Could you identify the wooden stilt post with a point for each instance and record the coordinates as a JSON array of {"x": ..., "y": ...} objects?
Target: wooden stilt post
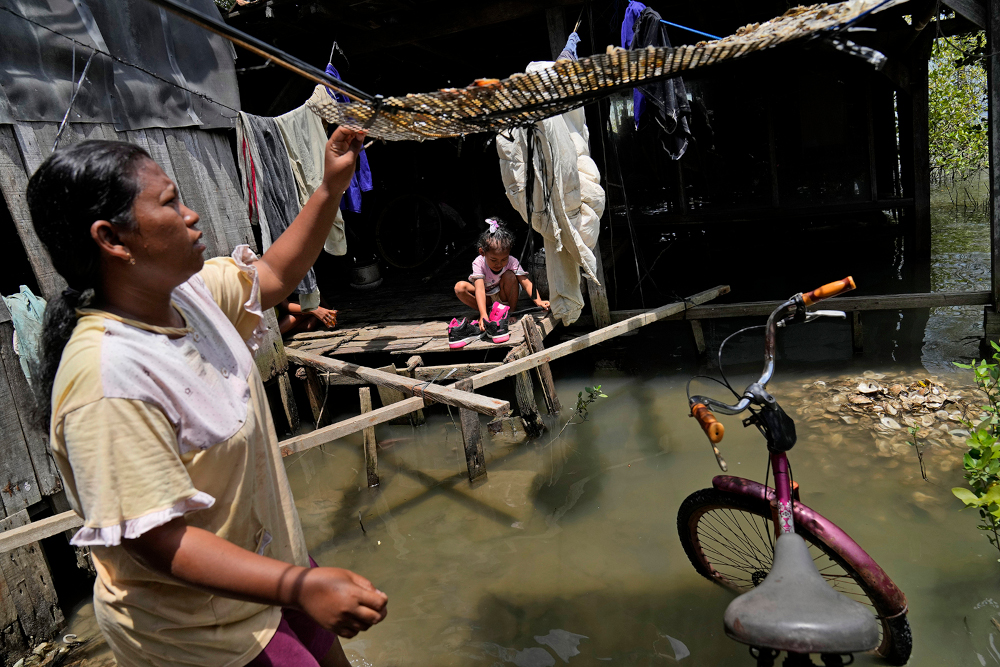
[
  {"x": 390, "y": 396},
  {"x": 857, "y": 332},
  {"x": 371, "y": 444},
  {"x": 993, "y": 105},
  {"x": 599, "y": 295},
  {"x": 533, "y": 337},
  {"x": 699, "y": 337},
  {"x": 288, "y": 401},
  {"x": 316, "y": 391},
  {"x": 920, "y": 96},
  {"x": 524, "y": 390},
  {"x": 472, "y": 436}
]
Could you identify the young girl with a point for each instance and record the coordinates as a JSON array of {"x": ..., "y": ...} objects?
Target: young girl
[
  {"x": 160, "y": 426},
  {"x": 496, "y": 275}
]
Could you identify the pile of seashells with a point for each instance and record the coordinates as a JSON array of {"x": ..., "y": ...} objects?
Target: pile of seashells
[{"x": 890, "y": 404}]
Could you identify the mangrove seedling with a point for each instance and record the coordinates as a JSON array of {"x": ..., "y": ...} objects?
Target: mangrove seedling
[
  {"x": 583, "y": 400},
  {"x": 982, "y": 461},
  {"x": 919, "y": 447}
]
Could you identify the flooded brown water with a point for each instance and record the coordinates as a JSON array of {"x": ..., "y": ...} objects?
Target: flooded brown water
[{"x": 568, "y": 553}]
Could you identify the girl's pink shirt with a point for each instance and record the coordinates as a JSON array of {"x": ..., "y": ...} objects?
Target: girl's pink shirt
[{"x": 481, "y": 270}]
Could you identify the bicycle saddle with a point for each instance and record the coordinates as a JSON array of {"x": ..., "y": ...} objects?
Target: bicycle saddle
[{"x": 796, "y": 610}]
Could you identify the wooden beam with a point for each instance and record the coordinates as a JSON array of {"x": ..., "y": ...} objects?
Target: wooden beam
[
  {"x": 321, "y": 436},
  {"x": 973, "y": 10},
  {"x": 599, "y": 294},
  {"x": 699, "y": 336},
  {"x": 993, "y": 106},
  {"x": 594, "y": 337},
  {"x": 524, "y": 391},
  {"x": 371, "y": 444},
  {"x": 389, "y": 396},
  {"x": 38, "y": 530},
  {"x": 316, "y": 393},
  {"x": 409, "y": 386},
  {"x": 288, "y": 402},
  {"x": 845, "y": 303},
  {"x": 462, "y": 371},
  {"x": 472, "y": 436}
]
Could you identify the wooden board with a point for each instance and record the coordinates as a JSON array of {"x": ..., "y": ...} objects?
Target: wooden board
[
  {"x": 30, "y": 585},
  {"x": 594, "y": 337},
  {"x": 301, "y": 443},
  {"x": 38, "y": 530},
  {"x": 409, "y": 386},
  {"x": 36, "y": 441},
  {"x": 18, "y": 485},
  {"x": 371, "y": 445}
]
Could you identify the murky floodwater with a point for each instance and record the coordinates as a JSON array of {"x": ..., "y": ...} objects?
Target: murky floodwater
[{"x": 568, "y": 552}]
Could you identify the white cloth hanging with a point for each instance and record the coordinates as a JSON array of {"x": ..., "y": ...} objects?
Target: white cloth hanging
[{"x": 569, "y": 221}]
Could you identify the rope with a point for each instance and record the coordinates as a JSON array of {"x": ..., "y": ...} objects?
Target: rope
[
  {"x": 72, "y": 100},
  {"x": 697, "y": 32}
]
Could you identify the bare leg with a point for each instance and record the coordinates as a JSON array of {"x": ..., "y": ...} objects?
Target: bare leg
[
  {"x": 335, "y": 657},
  {"x": 509, "y": 290},
  {"x": 466, "y": 293}
]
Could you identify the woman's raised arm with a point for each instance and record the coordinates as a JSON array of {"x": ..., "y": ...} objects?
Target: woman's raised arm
[{"x": 291, "y": 255}]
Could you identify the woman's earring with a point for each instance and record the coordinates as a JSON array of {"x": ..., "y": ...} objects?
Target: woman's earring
[{"x": 131, "y": 259}]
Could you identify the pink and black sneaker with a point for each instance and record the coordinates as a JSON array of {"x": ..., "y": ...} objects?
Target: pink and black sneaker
[
  {"x": 496, "y": 327},
  {"x": 462, "y": 332}
]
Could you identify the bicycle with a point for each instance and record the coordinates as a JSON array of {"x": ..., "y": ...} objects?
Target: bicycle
[{"x": 804, "y": 584}]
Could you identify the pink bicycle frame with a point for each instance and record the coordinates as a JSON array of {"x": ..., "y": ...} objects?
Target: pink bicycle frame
[{"x": 872, "y": 576}]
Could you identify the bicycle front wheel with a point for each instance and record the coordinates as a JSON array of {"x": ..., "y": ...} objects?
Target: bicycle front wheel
[{"x": 729, "y": 538}]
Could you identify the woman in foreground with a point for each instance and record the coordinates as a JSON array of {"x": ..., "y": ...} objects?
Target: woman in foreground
[{"x": 160, "y": 426}]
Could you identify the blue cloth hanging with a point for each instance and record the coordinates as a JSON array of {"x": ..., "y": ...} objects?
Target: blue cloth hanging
[
  {"x": 362, "y": 179},
  {"x": 628, "y": 34},
  {"x": 569, "y": 51}
]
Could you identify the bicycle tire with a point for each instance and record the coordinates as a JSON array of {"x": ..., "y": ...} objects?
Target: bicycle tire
[
  {"x": 408, "y": 242},
  {"x": 895, "y": 642}
]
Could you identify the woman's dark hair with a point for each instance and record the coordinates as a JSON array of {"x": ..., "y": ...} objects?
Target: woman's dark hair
[
  {"x": 496, "y": 237},
  {"x": 74, "y": 187}
]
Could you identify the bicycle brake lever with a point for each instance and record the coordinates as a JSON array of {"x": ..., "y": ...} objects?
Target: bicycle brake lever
[
  {"x": 814, "y": 315},
  {"x": 718, "y": 457}
]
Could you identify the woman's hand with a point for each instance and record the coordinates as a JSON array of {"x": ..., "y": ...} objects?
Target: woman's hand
[
  {"x": 541, "y": 303},
  {"x": 340, "y": 156},
  {"x": 342, "y": 601}
]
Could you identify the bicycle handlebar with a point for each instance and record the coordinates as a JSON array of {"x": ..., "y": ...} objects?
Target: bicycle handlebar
[{"x": 794, "y": 310}]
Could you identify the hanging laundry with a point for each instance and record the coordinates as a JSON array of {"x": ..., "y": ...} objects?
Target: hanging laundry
[
  {"x": 26, "y": 313},
  {"x": 362, "y": 179},
  {"x": 569, "y": 51},
  {"x": 632, "y": 13},
  {"x": 670, "y": 108},
  {"x": 305, "y": 137},
  {"x": 567, "y": 199},
  {"x": 270, "y": 189}
]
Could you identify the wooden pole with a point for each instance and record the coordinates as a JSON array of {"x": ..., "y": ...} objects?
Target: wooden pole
[
  {"x": 920, "y": 96},
  {"x": 699, "y": 336},
  {"x": 599, "y": 294},
  {"x": 320, "y": 436},
  {"x": 472, "y": 436},
  {"x": 524, "y": 390},
  {"x": 594, "y": 337},
  {"x": 533, "y": 337},
  {"x": 371, "y": 444},
  {"x": 390, "y": 396},
  {"x": 409, "y": 386},
  {"x": 288, "y": 402},
  {"x": 993, "y": 102},
  {"x": 316, "y": 391}
]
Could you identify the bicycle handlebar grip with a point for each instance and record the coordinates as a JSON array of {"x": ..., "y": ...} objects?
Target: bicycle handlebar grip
[
  {"x": 828, "y": 290},
  {"x": 712, "y": 427}
]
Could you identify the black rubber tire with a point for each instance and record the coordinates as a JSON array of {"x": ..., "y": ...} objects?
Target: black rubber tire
[{"x": 897, "y": 642}]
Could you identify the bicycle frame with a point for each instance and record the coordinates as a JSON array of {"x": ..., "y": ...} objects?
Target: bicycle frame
[{"x": 842, "y": 544}]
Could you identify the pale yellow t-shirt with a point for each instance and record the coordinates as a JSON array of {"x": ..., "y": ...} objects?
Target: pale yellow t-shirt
[{"x": 146, "y": 428}]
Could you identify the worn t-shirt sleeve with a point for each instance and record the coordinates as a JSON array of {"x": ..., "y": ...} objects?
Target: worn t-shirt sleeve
[
  {"x": 235, "y": 287},
  {"x": 127, "y": 474},
  {"x": 515, "y": 266},
  {"x": 478, "y": 270}
]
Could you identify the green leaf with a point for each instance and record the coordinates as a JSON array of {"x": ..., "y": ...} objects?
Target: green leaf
[{"x": 966, "y": 496}]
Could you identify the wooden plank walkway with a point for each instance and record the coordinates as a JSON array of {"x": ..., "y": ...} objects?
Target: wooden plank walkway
[{"x": 417, "y": 337}]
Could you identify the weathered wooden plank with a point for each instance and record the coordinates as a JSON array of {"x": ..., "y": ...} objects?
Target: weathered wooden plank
[
  {"x": 288, "y": 401},
  {"x": 18, "y": 485},
  {"x": 38, "y": 530},
  {"x": 316, "y": 393},
  {"x": 699, "y": 336},
  {"x": 524, "y": 391},
  {"x": 30, "y": 584},
  {"x": 594, "y": 337},
  {"x": 301, "y": 443},
  {"x": 46, "y": 473},
  {"x": 388, "y": 396},
  {"x": 13, "y": 183},
  {"x": 472, "y": 436},
  {"x": 371, "y": 444},
  {"x": 533, "y": 337},
  {"x": 845, "y": 303},
  {"x": 410, "y": 386},
  {"x": 462, "y": 371},
  {"x": 192, "y": 180},
  {"x": 599, "y": 294}
]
